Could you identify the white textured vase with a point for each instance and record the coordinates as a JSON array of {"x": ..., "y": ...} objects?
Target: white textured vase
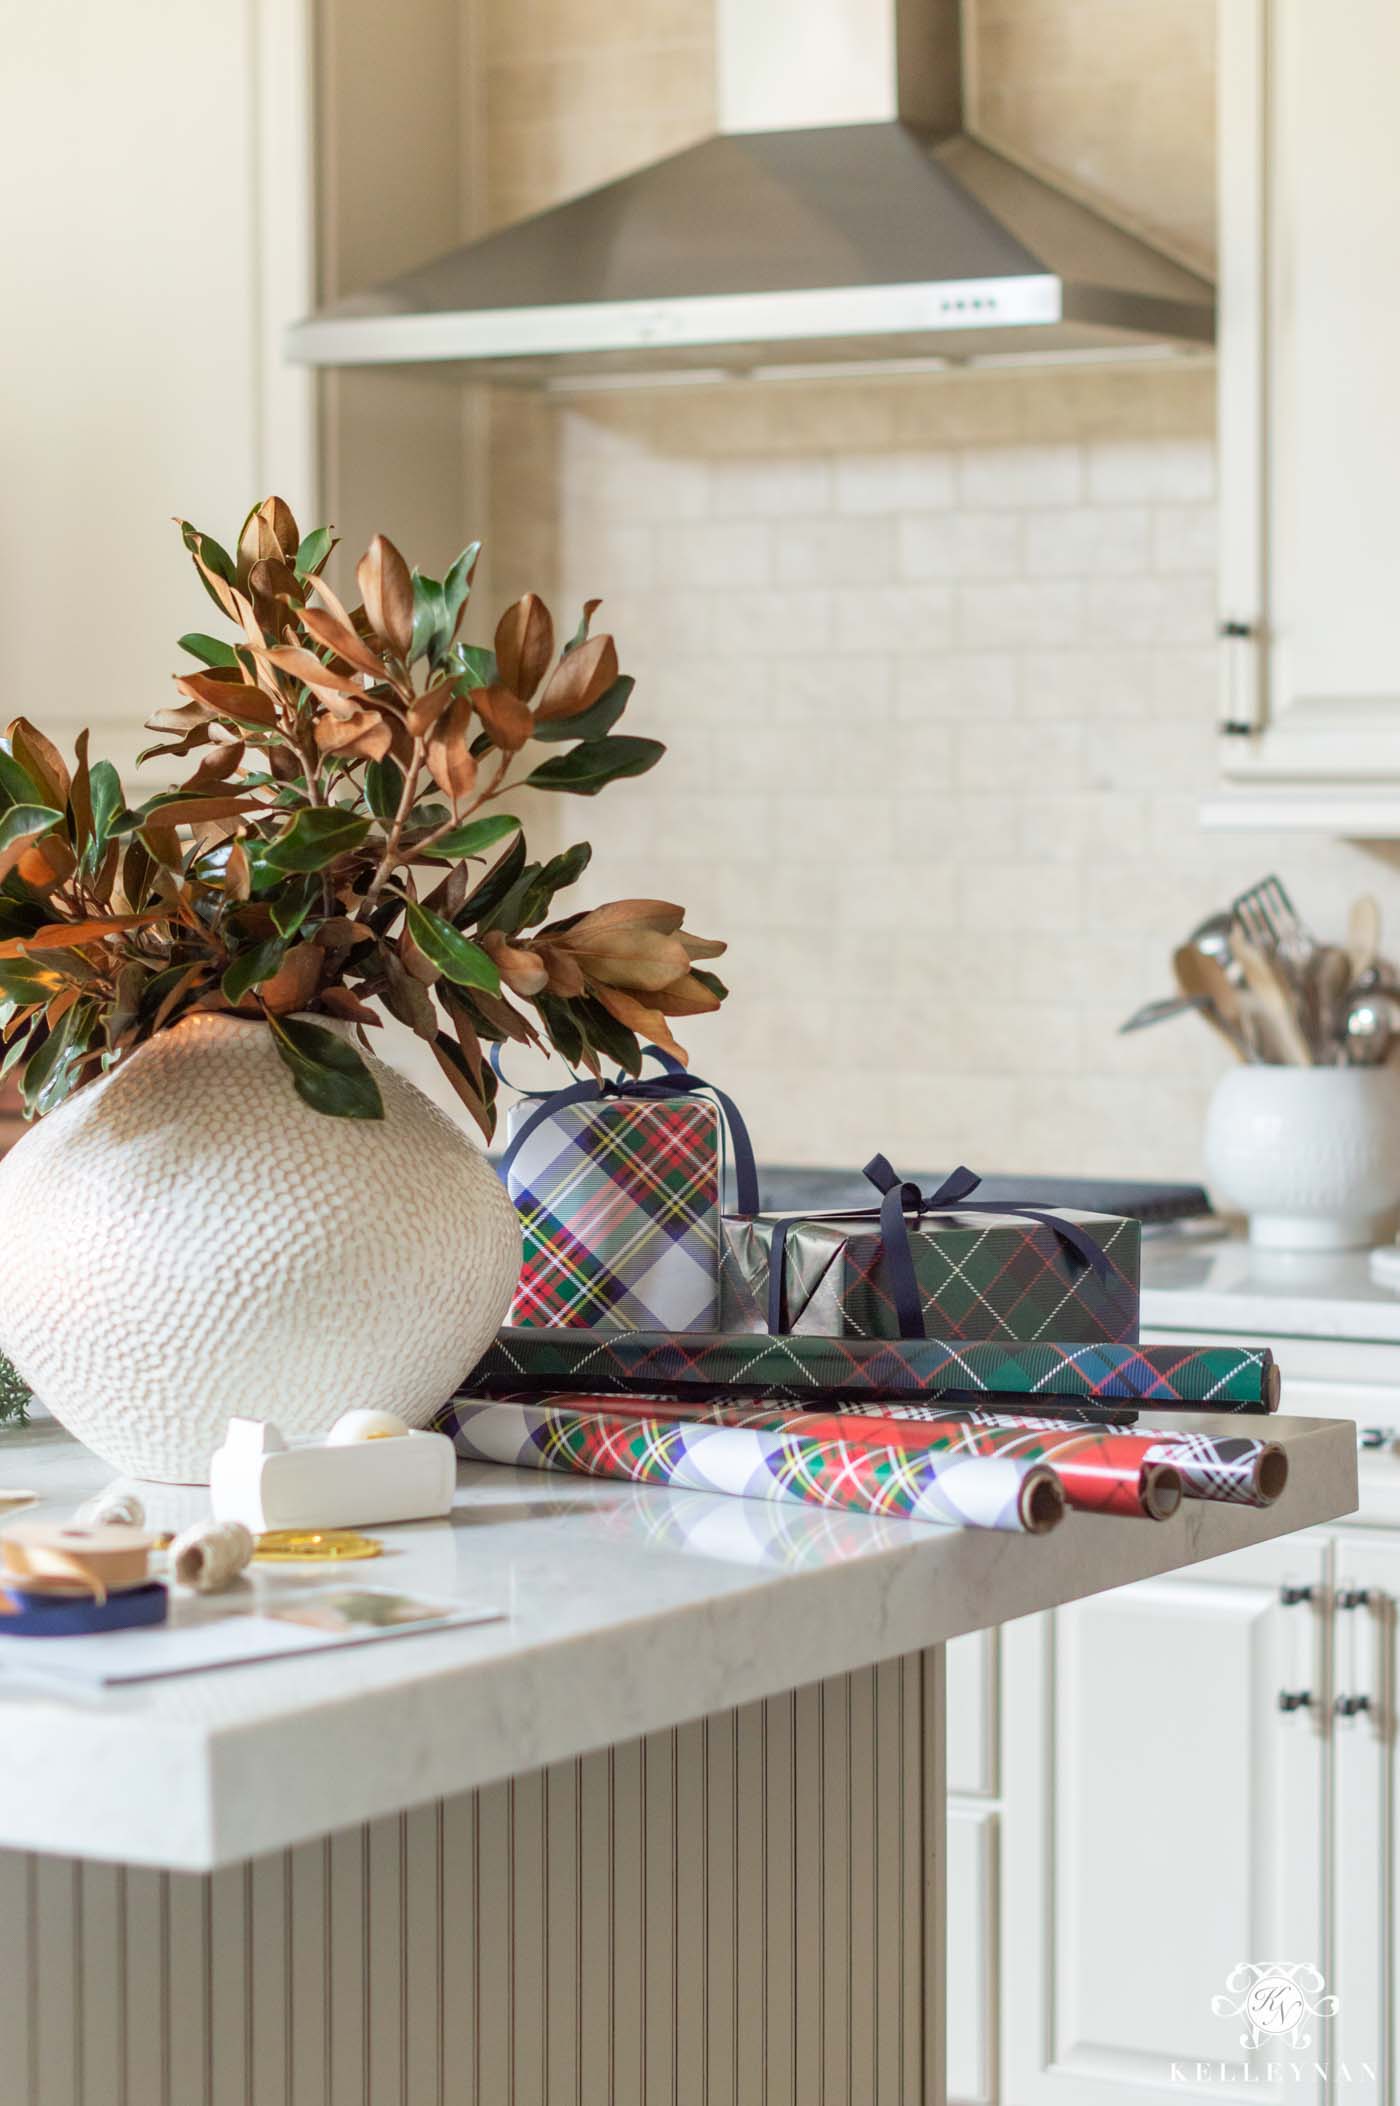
[
  {"x": 1311, "y": 1155},
  {"x": 185, "y": 1240}
]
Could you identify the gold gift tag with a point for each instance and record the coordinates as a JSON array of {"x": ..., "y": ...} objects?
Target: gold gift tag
[{"x": 312, "y": 1546}]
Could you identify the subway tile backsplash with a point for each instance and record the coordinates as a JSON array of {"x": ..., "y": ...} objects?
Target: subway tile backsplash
[{"x": 934, "y": 660}]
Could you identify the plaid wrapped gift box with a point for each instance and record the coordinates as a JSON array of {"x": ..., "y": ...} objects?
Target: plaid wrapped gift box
[
  {"x": 986, "y": 1273},
  {"x": 618, "y": 1188}
]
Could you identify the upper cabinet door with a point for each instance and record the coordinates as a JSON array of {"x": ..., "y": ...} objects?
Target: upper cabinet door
[{"x": 1309, "y": 405}]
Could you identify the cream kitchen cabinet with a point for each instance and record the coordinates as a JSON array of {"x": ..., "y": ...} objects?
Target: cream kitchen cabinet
[
  {"x": 1088, "y": 1781},
  {"x": 1309, "y": 426}
]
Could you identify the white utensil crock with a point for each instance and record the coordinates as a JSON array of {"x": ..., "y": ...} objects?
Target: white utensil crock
[{"x": 1311, "y": 1155}]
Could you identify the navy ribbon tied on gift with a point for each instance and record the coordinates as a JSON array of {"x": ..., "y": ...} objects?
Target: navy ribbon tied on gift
[
  {"x": 675, "y": 1082},
  {"x": 901, "y": 1198}
]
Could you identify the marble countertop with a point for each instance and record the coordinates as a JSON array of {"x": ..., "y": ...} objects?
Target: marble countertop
[
  {"x": 628, "y": 1609},
  {"x": 1211, "y": 1282}
]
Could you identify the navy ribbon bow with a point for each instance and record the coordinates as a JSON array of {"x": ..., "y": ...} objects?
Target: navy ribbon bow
[
  {"x": 675, "y": 1082},
  {"x": 900, "y": 1198}
]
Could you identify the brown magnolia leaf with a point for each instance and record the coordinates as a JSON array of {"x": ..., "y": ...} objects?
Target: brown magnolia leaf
[
  {"x": 176, "y": 997},
  {"x": 295, "y": 981},
  {"x": 481, "y": 1111},
  {"x": 40, "y": 759},
  {"x": 80, "y": 794},
  {"x": 186, "y": 716},
  {"x": 701, "y": 946},
  {"x": 407, "y": 998},
  {"x": 256, "y": 544},
  {"x": 189, "y": 811},
  {"x": 424, "y": 712},
  {"x": 11, "y": 856},
  {"x": 340, "y": 1002},
  {"x": 580, "y": 678},
  {"x": 524, "y": 645},
  {"x": 687, "y": 997},
  {"x": 626, "y": 957},
  {"x": 60, "y": 1005},
  {"x": 506, "y": 1019},
  {"x": 306, "y": 666},
  {"x": 466, "y": 1032},
  {"x": 523, "y": 971},
  {"x": 649, "y": 1024},
  {"x": 234, "y": 697},
  {"x": 363, "y": 734},
  {"x": 338, "y": 636},
  {"x": 216, "y": 767},
  {"x": 450, "y": 761},
  {"x": 386, "y": 586},
  {"x": 285, "y": 532},
  {"x": 565, "y": 974},
  {"x": 416, "y": 962},
  {"x": 71, "y": 935},
  {"x": 504, "y": 717},
  {"x": 238, "y": 876},
  {"x": 48, "y": 863},
  {"x": 273, "y": 585},
  {"x": 659, "y": 914}
]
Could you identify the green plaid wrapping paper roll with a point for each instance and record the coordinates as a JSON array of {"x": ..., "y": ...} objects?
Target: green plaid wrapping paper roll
[
  {"x": 983, "y": 1277},
  {"x": 806, "y": 1370}
]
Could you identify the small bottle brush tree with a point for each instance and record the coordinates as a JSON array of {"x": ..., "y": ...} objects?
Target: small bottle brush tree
[{"x": 339, "y": 847}]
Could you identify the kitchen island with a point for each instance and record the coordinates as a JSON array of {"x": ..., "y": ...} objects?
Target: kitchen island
[{"x": 671, "y": 1828}]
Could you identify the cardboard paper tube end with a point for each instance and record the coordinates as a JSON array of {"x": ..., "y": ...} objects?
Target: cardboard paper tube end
[
  {"x": 1042, "y": 1504},
  {"x": 1161, "y": 1490},
  {"x": 1273, "y": 1385},
  {"x": 1272, "y": 1474}
]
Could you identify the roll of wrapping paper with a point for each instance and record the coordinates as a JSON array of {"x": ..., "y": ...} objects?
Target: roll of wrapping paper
[
  {"x": 1102, "y": 1471},
  {"x": 1231, "y": 1467},
  {"x": 972, "y": 1491},
  {"x": 801, "y": 1370}
]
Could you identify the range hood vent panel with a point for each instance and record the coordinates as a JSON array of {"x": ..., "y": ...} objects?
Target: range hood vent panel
[{"x": 849, "y": 240}]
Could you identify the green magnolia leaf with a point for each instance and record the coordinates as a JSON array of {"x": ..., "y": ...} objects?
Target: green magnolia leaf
[
  {"x": 49, "y": 1075},
  {"x": 109, "y": 813},
  {"x": 478, "y": 665},
  {"x": 607, "y": 1036},
  {"x": 589, "y": 768},
  {"x": 327, "y": 1072},
  {"x": 292, "y": 905},
  {"x": 454, "y": 954},
  {"x": 566, "y": 869},
  {"x": 710, "y": 980},
  {"x": 19, "y": 917},
  {"x": 457, "y": 585},
  {"x": 479, "y": 905},
  {"x": 430, "y": 627},
  {"x": 24, "y": 820},
  {"x": 314, "y": 839},
  {"x": 17, "y": 786},
  {"x": 252, "y": 968},
  {"x": 208, "y": 649},
  {"x": 564, "y": 1033},
  {"x": 510, "y": 911},
  {"x": 383, "y": 789},
  {"x": 23, "y": 980},
  {"x": 472, "y": 839},
  {"x": 592, "y": 723},
  {"x": 313, "y": 551}
]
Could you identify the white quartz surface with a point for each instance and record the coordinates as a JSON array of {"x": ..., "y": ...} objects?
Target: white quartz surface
[
  {"x": 629, "y": 1609},
  {"x": 1196, "y": 1283}
]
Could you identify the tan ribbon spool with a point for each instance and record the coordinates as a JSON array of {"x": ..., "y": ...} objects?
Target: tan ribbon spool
[{"x": 67, "y": 1558}]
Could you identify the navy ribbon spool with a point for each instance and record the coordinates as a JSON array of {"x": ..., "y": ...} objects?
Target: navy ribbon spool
[
  {"x": 899, "y": 1199},
  {"x": 675, "y": 1082}
]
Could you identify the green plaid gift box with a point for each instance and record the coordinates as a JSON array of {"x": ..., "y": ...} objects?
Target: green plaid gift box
[
  {"x": 618, "y": 1188},
  {"x": 989, "y": 1273}
]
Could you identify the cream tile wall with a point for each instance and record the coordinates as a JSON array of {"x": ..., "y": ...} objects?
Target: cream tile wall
[{"x": 933, "y": 657}]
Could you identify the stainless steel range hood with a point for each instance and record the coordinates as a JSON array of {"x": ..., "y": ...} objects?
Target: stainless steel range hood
[{"x": 841, "y": 214}]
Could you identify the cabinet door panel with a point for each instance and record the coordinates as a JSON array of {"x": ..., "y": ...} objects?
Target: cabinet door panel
[
  {"x": 972, "y": 1956},
  {"x": 1310, "y": 205},
  {"x": 1163, "y": 1821},
  {"x": 972, "y": 1714},
  {"x": 1362, "y": 2035}
]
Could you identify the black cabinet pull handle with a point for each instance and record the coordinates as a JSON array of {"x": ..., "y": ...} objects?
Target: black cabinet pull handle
[
  {"x": 1348, "y": 1706},
  {"x": 1295, "y": 1699},
  {"x": 1354, "y": 1598},
  {"x": 1291, "y": 1597}
]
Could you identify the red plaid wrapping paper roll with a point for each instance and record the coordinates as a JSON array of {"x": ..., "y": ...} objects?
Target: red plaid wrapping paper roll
[
  {"x": 1102, "y": 1471},
  {"x": 585, "y": 1436}
]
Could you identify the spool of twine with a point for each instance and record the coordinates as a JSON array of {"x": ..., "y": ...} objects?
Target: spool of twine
[
  {"x": 70, "y": 1558},
  {"x": 210, "y": 1556}
]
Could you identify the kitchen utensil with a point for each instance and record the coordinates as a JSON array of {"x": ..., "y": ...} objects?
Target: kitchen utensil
[
  {"x": 1363, "y": 934},
  {"x": 1203, "y": 979},
  {"x": 1269, "y": 919},
  {"x": 1161, "y": 1011},
  {"x": 1326, "y": 983},
  {"x": 1274, "y": 999},
  {"x": 1212, "y": 936},
  {"x": 1370, "y": 1030}
]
